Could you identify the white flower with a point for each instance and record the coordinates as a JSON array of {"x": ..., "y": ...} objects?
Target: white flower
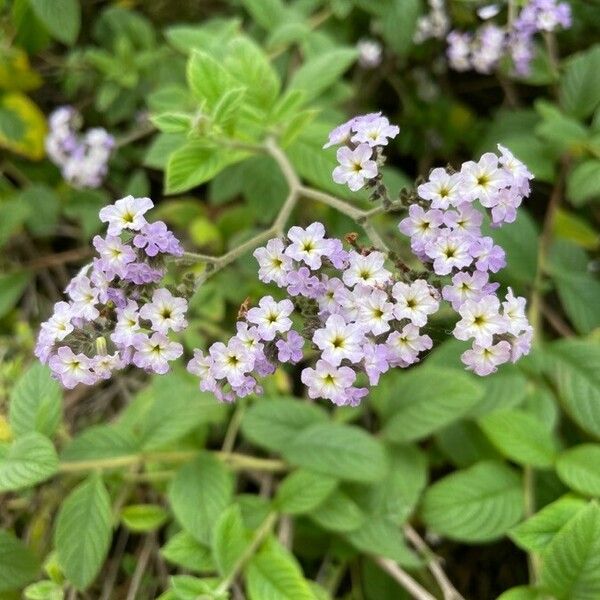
[
  {"x": 58, "y": 326},
  {"x": 339, "y": 340},
  {"x": 375, "y": 132},
  {"x": 442, "y": 189},
  {"x": 414, "y": 301},
  {"x": 127, "y": 213},
  {"x": 482, "y": 179},
  {"x": 165, "y": 311},
  {"x": 375, "y": 312},
  {"x": 271, "y": 317},
  {"x": 404, "y": 347},
  {"x": 514, "y": 313},
  {"x": 366, "y": 269},
  {"x": 355, "y": 166},
  {"x": 274, "y": 264},
  {"x": 481, "y": 319}
]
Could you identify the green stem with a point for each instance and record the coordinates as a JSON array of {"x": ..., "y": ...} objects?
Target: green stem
[
  {"x": 265, "y": 528},
  {"x": 233, "y": 460}
]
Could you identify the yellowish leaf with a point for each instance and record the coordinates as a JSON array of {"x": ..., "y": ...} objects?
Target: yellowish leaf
[{"x": 22, "y": 126}]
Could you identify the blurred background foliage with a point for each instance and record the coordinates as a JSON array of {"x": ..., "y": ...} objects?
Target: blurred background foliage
[{"x": 106, "y": 492}]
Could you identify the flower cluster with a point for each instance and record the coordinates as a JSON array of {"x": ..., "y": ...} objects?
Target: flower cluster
[
  {"x": 82, "y": 158},
  {"x": 483, "y": 49},
  {"x": 369, "y": 53},
  {"x": 357, "y": 315},
  {"x": 117, "y": 313},
  {"x": 434, "y": 24},
  {"x": 361, "y": 140},
  {"x": 444, "y": 227}
]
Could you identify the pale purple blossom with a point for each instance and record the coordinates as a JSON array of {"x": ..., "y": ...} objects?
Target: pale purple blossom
[
  {"x": 484, "y": 360},
  {"x": 156, "y": 238},
  {"x": 339, "y": 340},
  {"x": 308, "y": 245},
  {"x": 366, "y": 269},
  {"x": 488, "y": 255},
  {"x": 375, "y": 132},
  {"x": 271, "y": 317},
  {"x": 355, "y": 167},
  {"x": 290, "y": 348},
  {"x": 165, "y": 311},
  {"x": 153, "y": 353},
  {"x": 126, "y": 214},
  {"x": 71, "y": 368},
  {"x": 273, "y": 261},
  {"x": 481, "y": 320}
]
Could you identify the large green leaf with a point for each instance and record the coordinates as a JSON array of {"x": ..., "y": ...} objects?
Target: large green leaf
[
  {"x": 579, "y": 84},
  {"x": 100, "y": 441},
  {"x": 579, "y": 468},
  {"x": 422, "y": 408},
  {"x": 12, "y": 286},
  {"x": 538, "y": 531},
  {"x": 208, "y": 78},
  {"x": 338, "y": 512},
  {"x": 62, "y": 18},
  {"x": 573, "y": 366},
  {"x": 271, "y": 423},
  {"x": 571, "y": 568},
  {"x": 476, "y": 504},
  {"x": 342, "y": 451},
  {"x": 303, "y": 490},
  {"x": 230, "y": 539},
  {"x": 185, "y": 551},
  {"x": 321, "y": 72},
  {"x": 18, "y": 565},
  {"x": 520, "y": 437},
  {"x": 273, "y": 574},
  {"x": 83, "y": 532},
  {"x": 583, "y": 182},
  {"x": 30, "y": 459},
  {"x": 200, "y": 492},
  {"x": 35, "y": 402}
]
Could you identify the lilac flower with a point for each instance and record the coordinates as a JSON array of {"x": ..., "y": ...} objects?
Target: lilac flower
[
  {"x": 156, "y": 237},
  {"x": 356, "y": 166},
  {"x": 329, "y": 299},
  {"x": 339, "y": 340},
  {"x": 414, "y": 301},
  {"x": 375, "y": 132},
  {"x": 142, "y": 273},
  {"x": 481, "y": 320},
  {"x": 484, "y": 360},
  {"x": 376, "y": 361},
  {"x": 153, "y": 353},
  {"x": 127, "y": 213},
  {"x": 465, "y": 220},
  {"x": 201, "y": 366},
  {"x": 488, "y": 256},
  {"x": 250, "y": 338},
  {"x": 404, "y": 346},
  {"x": 115, "y": 255},
  {"x": 488, "y": 48},
  {"x": 336, "y": 253},
  {"x": 307, "y": 245},
  {"x": 84, "y": 297},
  {"x": 103, "y": 365},
  {"x": 71, "y": 368},
  {"x": 459, "y": 50},
  {"x": 274, "y": 263},
  {"x": 303, "y": 283},
  {"x": 165, "y": 312},
  {"x": 290, "y": 348},
  {"x": 505, "y": 208},
  {"x": 468, "y": 286},
  {"x": 340, "y": 135},
  {"x": 514, "y": 313},
  {"x": 449, "y": 251},
  {"x": 59, "y": 326},
  {"x": 421, "y": 226},
  {"x": 376, "y": 312},
  {"x": 271, "y": 316},
  {"x": 127, "y": 326},
  {"x": 328, "y": 381},
  {"x": 232, "y": 361},
  {"x": 366, "y": 269},
  {"x": 442, "y": 189},
  {"x": 520, "y": 345},
  {"x": 482, "y": 180}
]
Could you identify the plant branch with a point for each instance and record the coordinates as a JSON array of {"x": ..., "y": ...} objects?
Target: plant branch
[
  {"x": 404, "y": 579},
  {"x": 433, "y": 564},
  {"x": 233, "y": 460}
]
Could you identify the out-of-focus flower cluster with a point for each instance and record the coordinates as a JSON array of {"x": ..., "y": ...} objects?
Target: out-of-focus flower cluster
[
  {"x": 361, "y": 140},
  {"x": 82, "y": 158},
  {"x": 434, "y": 24},
  {"x": 483, "y": 49},
  {"x": 369, "y": 53},
  {"x": 117, "y": 312},
  {"x": 356, "y": 314},
  {"x": 444, "y": 227}
]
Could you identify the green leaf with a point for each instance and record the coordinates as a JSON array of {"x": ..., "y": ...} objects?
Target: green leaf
[
  {"x": 44, "y": 590},
  {"x": 382, "y": 537},
  {"x": 464, "y": 444},
  {"x": 44, "y": 209},
  {"x": 267, "y": 13},
  {"x": 523, "y": 592},
  {"x": 83, "y": 532},
  {"x": 538, "y": 531},
  {"x": 579, "y": 468},
  {"x": 520, "y": 437},
  {"x": 398, "y": 24},
  {"x": 30, "y": 459},
  {"x": 207, "y": 78},
  {"x": 199, "y": 493},
  {"x": 322, "y": 71},
  {"x": 342, "y": 451},
  {"x": 579, "y": 85},
  {"x": 172, "y": 122},
  {"x": 271, "y": 423},
  {"x": 62, "y": 18},
  {"x": 583, "y": 182},
  {"x": 194, "y": 164},
  {"x": 13, "y": 214},
  {"x": 302, "y": 491},
  {"x": 422, "y": 408},
  {"x": 226, "y": 111},
  {"x": 250, "y": 67},
  {"x": 18, "y": 565},
  {"x": 571, "y": 568},
  {"x": 12, "y": 286},
  {"x": 230, "y": 539},
  {"x": 573, "y": 366},
  {"x": 273, "y": 574},
  {"x": 183, "y": 550},
  {"x": 140, "y": 518},
  {"x": 338, "y": 513},
  {"x": 100, "y": 441},
  {"x": 35, "y": 402},
  {"x": 477, "y": 504}
]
